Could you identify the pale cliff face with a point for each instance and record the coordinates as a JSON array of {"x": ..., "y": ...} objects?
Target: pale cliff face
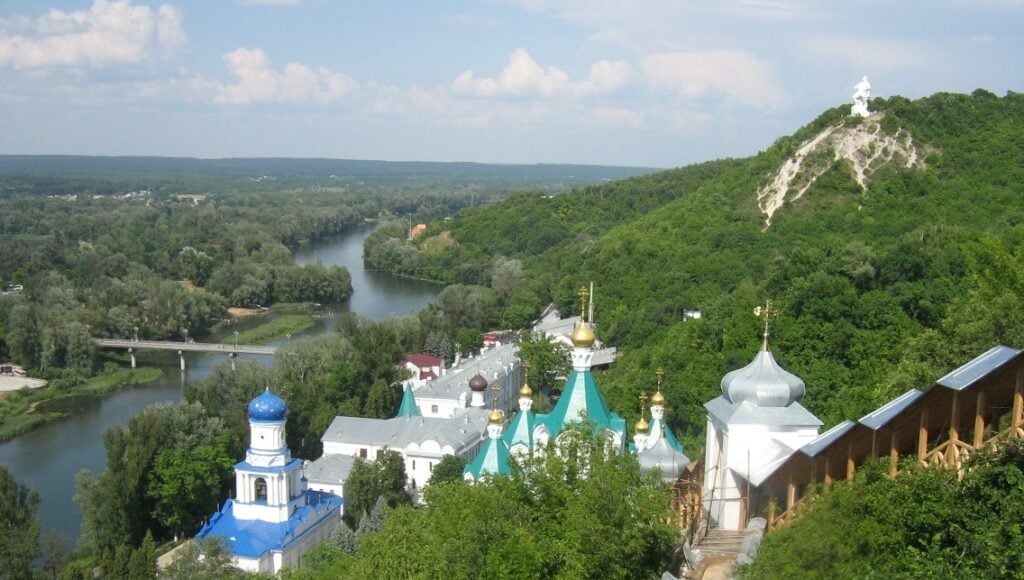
[{"x": 864, "y": 146}]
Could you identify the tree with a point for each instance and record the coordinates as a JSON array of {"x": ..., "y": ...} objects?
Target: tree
[
  {"x": 182, "y": 480},
  {"x": 135, "y": 492},
  {"x": 380, "y": 401},
  {"x": 606, "y": 524},
  {"x": 925, "y": 523},
  {"x": 344, "y": 538},
  {"x": 19, "y": 527},
  {"x": 142, "y": 563},
  {"x": 361, "y": 491},
  {"x": 449, "y": 469},
  {"x": 367, "y": 483},
  {"x": 548, "y": 360},
  {"x": 206, "y": 558},
  {"x": 55, "y": 554}
]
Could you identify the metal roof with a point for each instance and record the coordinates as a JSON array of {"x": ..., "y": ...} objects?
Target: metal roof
[
  {"x": 492, "y": 364},
  {"x": 877, "y": 419},
  {"x": 460, "y": 431},
  {"x": 330, "y": 469},
  {"x": 662, "y": 456},
  {"x": 827, "y": 438},
  {"x": 253, "y": 538},
  {"x": 747, "y": 413},
  {"x": 982, "y": 365}
]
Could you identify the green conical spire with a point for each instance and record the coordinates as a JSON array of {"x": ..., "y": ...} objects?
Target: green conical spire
[{"x": 408, "y": 407}]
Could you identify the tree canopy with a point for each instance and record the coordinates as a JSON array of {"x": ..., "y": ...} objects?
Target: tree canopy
[{"x": 926, "y": 523}]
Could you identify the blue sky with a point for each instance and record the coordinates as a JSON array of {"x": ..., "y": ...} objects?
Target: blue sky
[{"x": 617, "y": 82}]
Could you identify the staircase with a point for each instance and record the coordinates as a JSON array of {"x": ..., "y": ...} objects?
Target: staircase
[{"x": 721, "y": 543}]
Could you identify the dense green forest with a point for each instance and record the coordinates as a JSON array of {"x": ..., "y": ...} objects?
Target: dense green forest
[
  {"x": 926, "y": 523},
  {"x": 877, "y": 290}
]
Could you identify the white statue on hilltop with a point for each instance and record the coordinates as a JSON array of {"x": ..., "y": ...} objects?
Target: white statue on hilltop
[{"x": 861, "y": 95}]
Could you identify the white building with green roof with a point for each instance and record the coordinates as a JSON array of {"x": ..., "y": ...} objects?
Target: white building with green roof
[{"x": 581, "y": 402}]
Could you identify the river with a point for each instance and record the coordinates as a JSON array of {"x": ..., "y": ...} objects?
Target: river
[{"x": 49, "y": 457}]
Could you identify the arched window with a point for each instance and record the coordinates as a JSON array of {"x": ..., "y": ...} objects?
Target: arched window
[{"x": 261, "y": 489}]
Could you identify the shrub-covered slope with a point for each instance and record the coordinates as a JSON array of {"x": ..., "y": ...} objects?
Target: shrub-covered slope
[{"x": 880, "y": 288}]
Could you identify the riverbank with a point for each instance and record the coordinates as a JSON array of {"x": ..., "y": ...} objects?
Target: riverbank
[
  {"x": 278, "y": 328},
  {"x": 24, "y": 410}
]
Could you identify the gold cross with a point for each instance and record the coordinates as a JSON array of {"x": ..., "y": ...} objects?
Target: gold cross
[
  {"x": 495, "y": 387},
  {"x": 583, "y": 294},
  {"x": 766, "y": 312}
]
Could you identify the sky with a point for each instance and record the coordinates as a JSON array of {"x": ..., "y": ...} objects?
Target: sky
[{"x": 657, "y": 83}]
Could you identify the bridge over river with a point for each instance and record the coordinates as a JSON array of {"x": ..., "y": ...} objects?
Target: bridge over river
[{"x": 232, "y": 350}]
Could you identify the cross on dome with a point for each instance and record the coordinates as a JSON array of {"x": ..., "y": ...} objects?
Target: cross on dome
[{"x": 765, "y": 313}]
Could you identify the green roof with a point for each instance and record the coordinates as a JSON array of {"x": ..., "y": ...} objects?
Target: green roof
[
  {"x": 408, "y": 407},
  {"x": 581, "y": 400},
  {"x": 520, "y": 430},
  {"x": 492, "y": 459}
]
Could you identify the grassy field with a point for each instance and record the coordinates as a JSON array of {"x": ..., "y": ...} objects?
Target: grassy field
[
  {"x": 22, "y": 411},
  {"x": 273, "y": 330}
]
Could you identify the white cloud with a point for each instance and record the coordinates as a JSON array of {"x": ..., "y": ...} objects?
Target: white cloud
[
  {"x": 738, "y": 75},
  {"x": 871, "y": 55},
  {"x": 258, "y": 82},
  {"x": 523, "y": 76},
  {"x": 618, "y": 117},
  {"x": 110, "y": 32}
]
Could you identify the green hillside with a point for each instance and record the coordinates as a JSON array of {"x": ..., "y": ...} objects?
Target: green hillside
[{"x": 879, "y": 290}]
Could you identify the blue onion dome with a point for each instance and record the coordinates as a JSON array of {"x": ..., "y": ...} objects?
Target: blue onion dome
[
  {"x": 267, "y": 407},
  {"x": 764, "y": 383}
]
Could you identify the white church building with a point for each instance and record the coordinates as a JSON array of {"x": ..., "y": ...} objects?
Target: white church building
[
  {"x": 752, "y": 428},
  {"x": 273, "y": 518}
]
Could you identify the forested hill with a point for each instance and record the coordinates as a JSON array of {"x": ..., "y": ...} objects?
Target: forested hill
[
  {"x": 885, "y": 278},
  {"x": 60, "y": 174}
]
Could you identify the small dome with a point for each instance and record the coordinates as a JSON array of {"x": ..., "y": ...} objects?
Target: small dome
[
  {"x": 496, "y": 417},
  {"x": 658, "y": 399},
  {"x": 641, "y": 425},
  {"x": 583, "y": 335},
  {"x": 478, "y": 383},
  {"x": 526, "y": 391},
  {"x": 664, "y": 459},
  {"x": 267, "y": 407},
  {"x": 764, "y": 383}
]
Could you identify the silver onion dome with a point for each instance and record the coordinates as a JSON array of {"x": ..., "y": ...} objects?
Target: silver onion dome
[{"x": 764, "y": 383}]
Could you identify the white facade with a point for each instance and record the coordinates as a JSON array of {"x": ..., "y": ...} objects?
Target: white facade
[
  {"x": 422, "y": 441},
  {"x": 273, "y": 518},
  {"x": 752, "y": 428}
]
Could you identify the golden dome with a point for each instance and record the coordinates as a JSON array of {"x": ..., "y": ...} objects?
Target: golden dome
[
  {"x": 496, "y": 417},
  {"x": 658, "y": 399},
  {"x": 526, "y": 391},
  {"x": 583, "y": 335},
  {"x": 641, "y": 425}
]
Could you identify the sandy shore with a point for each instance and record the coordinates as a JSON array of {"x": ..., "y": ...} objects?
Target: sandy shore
[
  {"x": 237, "y": 312},
  {"x": 9, "y": 383}
]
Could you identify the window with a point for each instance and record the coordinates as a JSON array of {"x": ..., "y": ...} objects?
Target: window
[
  {"x": 414, "y": 465},
  {"x": 431, "y": 466},
  {"x": 433, "y": 409},
  {"x": 380, "y": 452},
  {"x": 362, "y": 453},
  {"x": 260, "y": 488}
]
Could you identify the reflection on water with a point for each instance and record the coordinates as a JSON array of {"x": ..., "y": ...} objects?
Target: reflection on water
[{"x": 49, "y": 457}]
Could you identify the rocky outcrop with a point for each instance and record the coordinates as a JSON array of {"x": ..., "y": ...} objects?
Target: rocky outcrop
[{"x": 865, "y": 146}]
